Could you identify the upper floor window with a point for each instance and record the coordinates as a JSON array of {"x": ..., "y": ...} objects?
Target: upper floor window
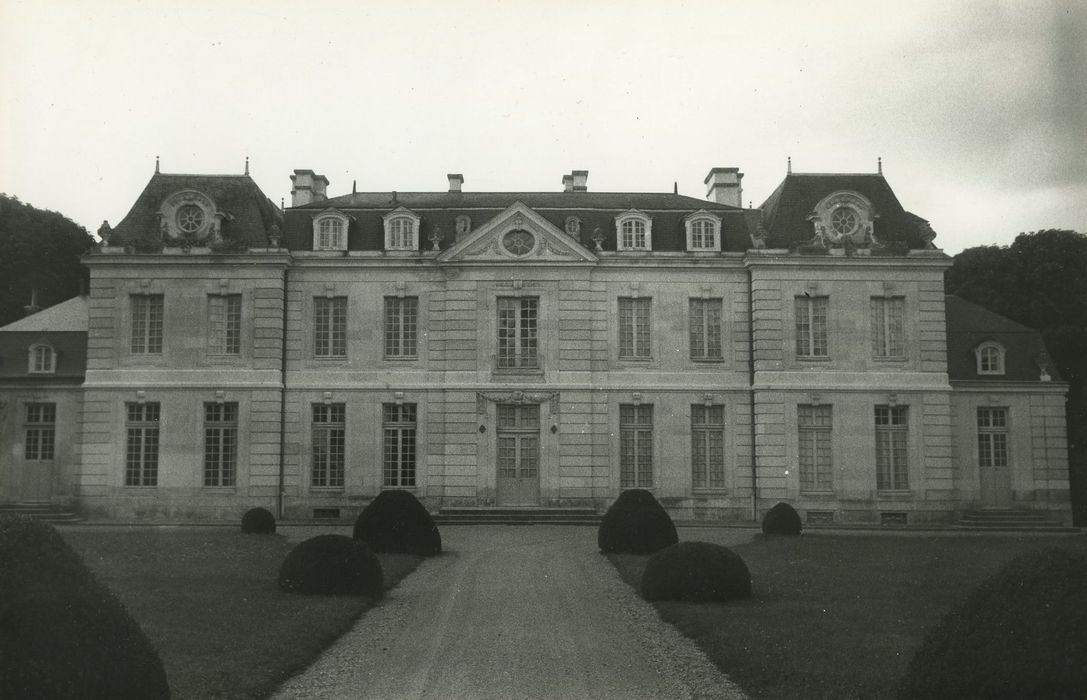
[
  {"x": 811, "y": 326},
  {"x": 518, "y": 327},
  {"x": 401, "y": 230},
  {"x": 705, "y": 329},
  {"x": 990, "y": 358},
  {"x": 888, "y": 326},
  {"x": 330, "y": 327},
  {"x": 146, "y": 324},
  {"x": 635, "y": 231},
  {"x": 330, "y": 232},
  {"x": 225, "y": 324},
  {"x": 43, "y": 359},
  {"x": 703, "y": 232},
  {"x": 634, "y": 337},
  {"x": 401, "y": 327}
]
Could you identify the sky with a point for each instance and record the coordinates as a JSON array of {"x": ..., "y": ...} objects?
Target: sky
[{"x": 977, "y": 109}]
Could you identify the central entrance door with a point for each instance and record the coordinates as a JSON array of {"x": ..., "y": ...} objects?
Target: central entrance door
[{"x": 518, "y": 438}]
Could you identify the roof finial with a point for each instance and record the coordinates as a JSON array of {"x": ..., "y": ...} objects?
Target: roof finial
[
  {"x": 879, "y": 165},
  {"x": 353, "y": 185},
  {"x": 247, "y": 165},
  {"x": 675, "y": 186},
  {"x": 789, "y": 165},
  {"x": 156, "y": 165},
  {"x": 282, "y": 204}
]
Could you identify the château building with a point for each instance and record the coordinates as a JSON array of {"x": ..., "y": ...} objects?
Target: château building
[{"x": 528, "y": 349}]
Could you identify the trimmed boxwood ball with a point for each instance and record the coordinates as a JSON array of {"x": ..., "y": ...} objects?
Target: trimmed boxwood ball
[
  {"x": 696, "y": 572},
  {"x": 782, "y": 519},
  {"x": 258, "y": 521},
  {"x": 332, "y": 564},
  {"x": 1022, "y": 633},
  {"x": 62, "y": 633},
  {"x": 396, "y": 522},
  {"x": 636, "y": 524}
]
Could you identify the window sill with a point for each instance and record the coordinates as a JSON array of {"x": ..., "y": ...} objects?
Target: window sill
[
  {"x": 219, "y": 489},
  {"x": 895, "y": 495},
  {"x": 326, "y": 489},
  {"x": 709, "y": 491},
  {"x": 330, "y": 359},
  {"x": 820, "y": 495},
  {"x": 709, "y": 360},
  {"x": 635, "y": 359},
  {"x": 401, "y": 358},
  {"x": 410, "y": 489},
  {"x": 529, "y": 371},
  {"x": 902, "y": 359},
  {"x": 813, "y": 358}
]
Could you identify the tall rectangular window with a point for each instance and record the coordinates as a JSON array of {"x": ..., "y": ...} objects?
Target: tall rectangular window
[
  {"x": 399, "y": 424},
  {"x": 635, "y": 445},
  {"x": 888, "y": 327},
  {"x": 634, "y": 327},
  {"x": 220, "y": 443},
  {"x": 705, "y": 331},
  {"x": 401, "y": 326},
  {"x": 142, "y": 444},
  {"x": 814, "y": 448},
  {"x": 811, "y": 326},
  {"x": 146, "y": 324},
  {"x": 41, "y": 426},
  {"x": 225, "y": 324},
  {"x": 892, "y": 435},
  {"x": 329, "y": 439},
  {"x": 518, "y": 328},
  {"x": 330, "y": 326},
  {"x": 708, "y": 446},
  {"x": 992, "y": 437}
]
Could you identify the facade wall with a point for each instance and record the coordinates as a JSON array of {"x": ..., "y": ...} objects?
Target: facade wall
[{"x": 24, "y": 479}]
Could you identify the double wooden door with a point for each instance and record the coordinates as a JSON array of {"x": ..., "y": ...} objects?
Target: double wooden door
[{"x": 518, "y": 436}]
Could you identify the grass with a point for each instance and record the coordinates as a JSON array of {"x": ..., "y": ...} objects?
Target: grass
[
  {"x": 207, "y": 598},
  {"x": 837, "y": 616}
]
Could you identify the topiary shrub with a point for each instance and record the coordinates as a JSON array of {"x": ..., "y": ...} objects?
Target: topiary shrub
[
  {"x": 696, "y": 572},
  {"x": 258, "y": 521},
  {"x": 1021, "y": 634},
  {"x": 782, "y": 519},
  {"x": 62, "y": 633},
  {"x": 636, "y": 524},
  {"x": 396, "y": 522},
  {"x": 332, "y": 564}
]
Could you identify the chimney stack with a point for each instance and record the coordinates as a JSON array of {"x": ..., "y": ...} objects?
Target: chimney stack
[
  {"x": 579, "y": 178},
  {"x": 723, "y": 186},
  {"x": 456, "y": 182},
  {"x": 567, "y": 183},
  {"x": 306, "y": 187}
]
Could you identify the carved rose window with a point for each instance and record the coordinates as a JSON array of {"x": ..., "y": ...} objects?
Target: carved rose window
[
  {"x": 843, "y": 221},
  {"x": 190, "y": 218},
  {"x": 519, "y": 242}
]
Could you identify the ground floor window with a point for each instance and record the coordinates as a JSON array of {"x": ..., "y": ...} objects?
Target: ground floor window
[
  {"x": 41, "y": 421},
  {"x": 329, "y": 434},
  {"x": 992, "y": 437},
  {"x": 892, "y": 433},
  {"x": 142, "y": 443},
  {"x": 398, "y": 425},
  {"x": 708, "y": 446},
  {"x": 635, "y": 445},
  {"x": 220, "y": 443},
  {"x": 814, "y": 450}
]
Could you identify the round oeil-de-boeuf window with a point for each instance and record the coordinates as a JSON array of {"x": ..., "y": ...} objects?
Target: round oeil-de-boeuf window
[
  {"x": 190, "y": 218},
  {"x": 518, "y": 242},
  {"x": 843, "y": 221}
]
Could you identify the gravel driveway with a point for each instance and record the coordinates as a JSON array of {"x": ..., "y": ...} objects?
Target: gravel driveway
[{"x": 513, "y": 612}]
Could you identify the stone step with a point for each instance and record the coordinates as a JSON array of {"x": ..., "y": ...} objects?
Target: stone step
[
  {"x": 44, "y": 512},
  {"x": 517, "y": 516},
  {"x": 1008, "y": 519}
]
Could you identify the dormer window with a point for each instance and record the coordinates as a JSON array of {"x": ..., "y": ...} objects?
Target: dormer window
[
  {"x": 330, "y": 231},
  {"x": 703, "y": 232},
  {"x": 401, "y": 230},
  {"x": 990, "y": 357},
  {"x": 844, "y": 218},
  {"x": 43, "y": 359},
  {"x": 464, "y": 225},
  {"x": 573, "y": 226},
  {"x": 635, "y": 231}
]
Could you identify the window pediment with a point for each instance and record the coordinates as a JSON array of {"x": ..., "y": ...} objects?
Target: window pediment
[
  {"x": 703, "y": 231},
  {"x": 633, "y": 231},
  {"x": 402, "y": 229},
  {"x": 844, "y": 218},
  {"x": 330, "y": 230}
]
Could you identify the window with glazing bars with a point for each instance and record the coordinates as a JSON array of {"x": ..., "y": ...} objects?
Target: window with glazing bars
[
  {"x": 705, "y": 320},
  {"x": 142, "y": 444},
  {"x": 329, "y": 433},
  {"x": 330, "y": 234},
  {"x": 892, "y": 434},
  {"x": 702, "y": 235},
  {"x": 992, "y": 437},
  {"x": 146, "y": 324},
  {"x": 401, "y": 326},
  {"x": 402, "y": 234},
  {"x": 814, "y": 447},
  {"x": 708, "y": 446},
  {"x": 518, "y": 328},
  {"x": 330, "y": 326},
  {"x": 888, "y": 326},
  {"x": 634, "y": 327},
  {"x": 399, "y": 429},
  {"x": 518, "y": 440},
  {"x": 220, "y": 443},
  {"x": 811, "y": 326},
  {"x": 225, "y": 324},
  {"x": 635, "y": 445},
  {"x": 633, "y": 234},
  {"x": 41, "y": 423},
  {"x": 43, "y": 360}
]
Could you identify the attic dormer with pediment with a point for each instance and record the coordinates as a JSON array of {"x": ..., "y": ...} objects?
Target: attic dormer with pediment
[
  {"x": 844, "y": 218},
  {"x": 517, "y": 234},
  {"x": 402, "y": 230},
  {"x": 330, "y": 230},
  {"x": 703, "y": 232},
  {"x": 634, "y": 231}
]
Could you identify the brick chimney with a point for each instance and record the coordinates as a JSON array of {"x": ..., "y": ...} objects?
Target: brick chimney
[
  {"x": 306, "y": 187},
  {"x": 723, "y": 186},
  {"x": 456, "y": 182}
]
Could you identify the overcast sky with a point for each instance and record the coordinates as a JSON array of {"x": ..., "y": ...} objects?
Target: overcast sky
[{"x": 978, "y": 109}]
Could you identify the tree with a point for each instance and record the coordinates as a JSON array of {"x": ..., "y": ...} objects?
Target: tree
[
  {"x": 39, "y": 249},
  {"x": 1039, "y": 281}
]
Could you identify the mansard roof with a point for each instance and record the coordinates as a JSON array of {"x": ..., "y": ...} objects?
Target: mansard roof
[
  {"x": 251, "y": 214},
  {"x": 595, "y": 209},
  {"x": 787, "y": 209},
  {"x": 969, "y": 325}
]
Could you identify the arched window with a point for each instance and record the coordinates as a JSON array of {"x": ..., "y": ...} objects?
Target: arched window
[
  {"x": 43, "y": 359},
  {"x": 703, "y": 232},
  {"x": 330, "y": 231},
  {"x": 635, "y": 231},
  {"x": 990, "y": 357},
  {"x": 402, "y": 230}
]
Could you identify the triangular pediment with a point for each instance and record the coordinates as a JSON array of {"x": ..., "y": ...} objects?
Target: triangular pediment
[{"x": 518, "y": 234}]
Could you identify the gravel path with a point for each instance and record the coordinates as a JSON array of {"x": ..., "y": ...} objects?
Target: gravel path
[{"x": 513, "y": 612}]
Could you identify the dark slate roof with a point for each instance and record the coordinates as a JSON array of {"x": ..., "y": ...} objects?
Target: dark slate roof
[
  {"x": 786, "y": 210},
  {"x": 64, "y": 326},
  {"x": 969, "y": 325},
  {"x": 252, "y": 214},
  {"x": 441, "y": 209}
]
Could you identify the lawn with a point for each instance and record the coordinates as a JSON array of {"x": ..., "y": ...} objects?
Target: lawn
[
  {"x": 207, "y": 599},
  {"x": 838, "y": 616}
]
